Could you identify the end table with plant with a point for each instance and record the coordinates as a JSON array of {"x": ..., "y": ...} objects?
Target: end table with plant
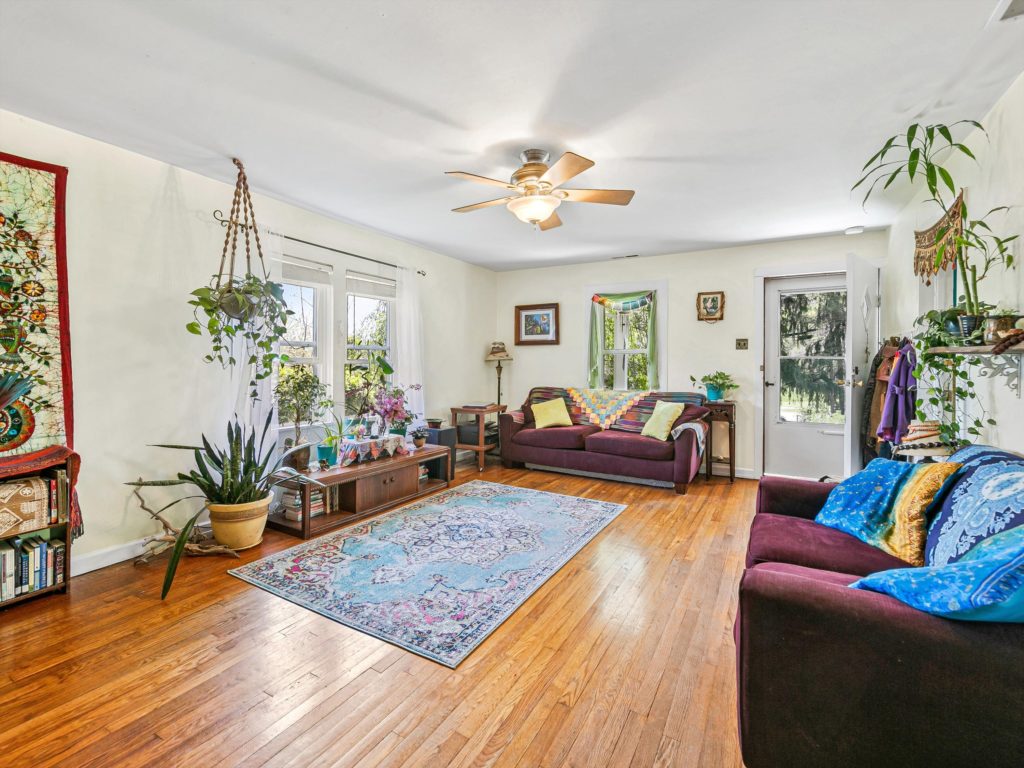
[{"x": 717, "y": 384}]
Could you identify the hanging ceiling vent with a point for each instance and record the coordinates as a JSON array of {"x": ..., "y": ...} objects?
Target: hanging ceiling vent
[{"x": 1013, "y": 9}]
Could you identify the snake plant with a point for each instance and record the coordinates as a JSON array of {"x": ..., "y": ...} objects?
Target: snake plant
[{"x": 243, "y": 472}]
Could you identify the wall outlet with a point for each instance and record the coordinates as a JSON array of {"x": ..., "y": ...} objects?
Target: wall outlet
[{"x": 741, "y": 343}]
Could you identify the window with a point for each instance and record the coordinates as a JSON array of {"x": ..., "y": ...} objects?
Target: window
[
  {"x": 369, "y": 323},
  {"x": 301, "y": 342},
  {"x": 624, "y": 354}
]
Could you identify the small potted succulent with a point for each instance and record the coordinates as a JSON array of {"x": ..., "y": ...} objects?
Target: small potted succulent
[
  {"x": 301, "y": 397},
  {"x": 419, "y": 436},
  {"x": 717, "y": 384}
]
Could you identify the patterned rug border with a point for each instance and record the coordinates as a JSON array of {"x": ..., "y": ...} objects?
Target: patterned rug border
[{"x": 420, "y": 503}]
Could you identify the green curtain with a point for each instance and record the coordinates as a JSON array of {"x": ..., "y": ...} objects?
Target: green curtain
[{"x": 622, "y": 302}]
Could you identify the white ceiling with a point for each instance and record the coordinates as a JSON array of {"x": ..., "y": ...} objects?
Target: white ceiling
[{"x": 735, "y": 120}]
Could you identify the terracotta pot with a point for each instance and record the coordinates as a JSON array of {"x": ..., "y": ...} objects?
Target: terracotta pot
[
  {"x": 239, "y": 526},
  {"x": 997, "y": 325},
  {"x": 434, "y": 423},
  {"x": 419, "y": 442},
  {"x": 300, "y": 459}
]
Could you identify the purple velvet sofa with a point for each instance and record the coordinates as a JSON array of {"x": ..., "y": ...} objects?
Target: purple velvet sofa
[
  {"x": 606, "y": 452},
  {"x": 832, "y": 676}
]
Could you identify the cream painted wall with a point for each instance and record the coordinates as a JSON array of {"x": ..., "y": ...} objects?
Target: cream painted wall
[
  {"x": 996, "y": 179},
  {"x": 692, "y": 347},
  {"x": 140, "y": 237}
]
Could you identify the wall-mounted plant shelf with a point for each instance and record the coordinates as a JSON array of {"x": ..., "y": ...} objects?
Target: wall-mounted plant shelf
[{"x": 1007, "y": 364}]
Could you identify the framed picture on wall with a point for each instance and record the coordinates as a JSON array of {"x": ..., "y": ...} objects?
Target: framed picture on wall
[
  {"x": 711, "y": 306},
  {"x": 536, "y": 324}
]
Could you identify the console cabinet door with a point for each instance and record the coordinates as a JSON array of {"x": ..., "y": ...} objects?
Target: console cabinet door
[
  {"x": 403, "y": 482},
  {"x": 372, "y": 491}
]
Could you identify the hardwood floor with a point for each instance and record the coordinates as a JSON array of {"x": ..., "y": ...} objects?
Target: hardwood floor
[{"x": 623, "y": 658}]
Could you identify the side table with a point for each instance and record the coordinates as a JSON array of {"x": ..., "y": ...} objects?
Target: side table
[
  {"x": 481, "y": 447},
  {"x": 721, "y": 410}
]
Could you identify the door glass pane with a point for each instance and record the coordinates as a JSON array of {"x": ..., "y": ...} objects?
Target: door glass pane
[
  {"x": 812, "y": 324},
  {"x": 808, "y": 391}
]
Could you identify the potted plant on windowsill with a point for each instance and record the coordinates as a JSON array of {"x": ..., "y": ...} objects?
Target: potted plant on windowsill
[
  {"x": 236, "y": 483},
  {"x": 301, "y": 397},
  {"x": 717, "y": 384}
]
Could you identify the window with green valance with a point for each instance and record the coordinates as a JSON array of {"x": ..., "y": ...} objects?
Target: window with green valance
[{"x": 623, "y": 351}]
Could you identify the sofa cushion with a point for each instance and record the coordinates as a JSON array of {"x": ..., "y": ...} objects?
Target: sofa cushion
[
  {"x": 569, "y": 438},
  {"x": 630, "y": 444},
  {"x": 551, "y": 413},
  {"x": 987, "y": 498},
  {"x": 661, "y": 421},
  {"x": 794, "y": 540}
]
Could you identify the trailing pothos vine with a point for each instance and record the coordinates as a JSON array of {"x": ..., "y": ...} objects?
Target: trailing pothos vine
[{"x": 245, "y": 308}]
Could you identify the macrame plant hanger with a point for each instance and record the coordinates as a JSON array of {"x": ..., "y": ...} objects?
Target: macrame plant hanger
[{"x": 242, "y": 217}]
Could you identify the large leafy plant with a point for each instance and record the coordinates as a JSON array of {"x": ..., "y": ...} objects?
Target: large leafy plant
[
  {"x": 243, "y": 472},
  {"x": 719, "y": 379},
  {"x": 301, "y": 396},
  {"x": 918, "y": 155},
  {"x": 248, "y": 310}
]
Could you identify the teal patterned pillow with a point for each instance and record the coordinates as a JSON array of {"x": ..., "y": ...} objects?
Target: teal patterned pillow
[
  {"x": 862, "y": 503},
  {"x": 986, "y": 584}
]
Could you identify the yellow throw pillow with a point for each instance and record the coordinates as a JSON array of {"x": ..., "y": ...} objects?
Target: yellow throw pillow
[
  {"x": 909, "y": 532},
  {"x": 661, "y": 421},
  {"x": 551, "y": 413}
]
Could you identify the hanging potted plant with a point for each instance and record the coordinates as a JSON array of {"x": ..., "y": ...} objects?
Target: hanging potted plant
[
  {"x": 301, "y": 397},
  {"x": 236, "y": 483},
  {"x": 241, "y": 306}
]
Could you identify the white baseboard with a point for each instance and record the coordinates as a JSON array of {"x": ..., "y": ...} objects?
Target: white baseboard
[
  {"x": 101, "y": 558},
  {"x": 741, "y": 472}
]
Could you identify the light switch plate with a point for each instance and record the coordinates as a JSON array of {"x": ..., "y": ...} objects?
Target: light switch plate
[{"x": 741, "y": 343}]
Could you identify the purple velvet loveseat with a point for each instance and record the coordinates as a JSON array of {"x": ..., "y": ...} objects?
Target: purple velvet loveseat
[
  {"x": 619, "y": 452},
  {"x": 832, "y": 676}
]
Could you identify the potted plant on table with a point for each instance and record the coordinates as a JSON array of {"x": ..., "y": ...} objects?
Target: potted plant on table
[
  {"x": 333, "y": 435},
  {"x": 301, "y": 397},
  {"x": 236, "y": 483},
  {"x": 717, "y": 384},
  {"x": 390, "y": 404},
  {"x": 419, "y": 436}
]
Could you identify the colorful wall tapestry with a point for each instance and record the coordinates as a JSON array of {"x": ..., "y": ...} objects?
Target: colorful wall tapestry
[
  {"x": 35, "y": 360},
  {"x": 942, "y": 232}
]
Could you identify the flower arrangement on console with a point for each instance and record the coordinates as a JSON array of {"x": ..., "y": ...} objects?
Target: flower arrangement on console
[{"x": 390, "y": 404}]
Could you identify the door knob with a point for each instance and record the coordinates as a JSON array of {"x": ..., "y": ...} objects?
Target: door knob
[{"x": 769, "y": 383}]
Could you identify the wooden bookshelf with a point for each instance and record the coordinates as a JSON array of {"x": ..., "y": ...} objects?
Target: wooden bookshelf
[{"x": 13, "y": 470}]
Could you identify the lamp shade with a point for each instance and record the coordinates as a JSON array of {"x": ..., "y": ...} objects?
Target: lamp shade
[
  {"x": 533, "y": 209},
  {"x": 498, "y": 352}
]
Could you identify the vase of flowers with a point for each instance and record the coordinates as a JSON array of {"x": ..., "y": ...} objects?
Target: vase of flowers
[{"x": 390, "y": 404}]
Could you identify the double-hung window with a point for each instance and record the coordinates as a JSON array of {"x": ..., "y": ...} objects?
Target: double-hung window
[
  {"x": 370, "y": 324},
  {"x": 625, "y": 349},
  {"x": 302, "y": 340}
]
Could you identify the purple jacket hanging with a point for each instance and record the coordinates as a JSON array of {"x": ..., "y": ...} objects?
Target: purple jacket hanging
[{"x": 900, "y": 397}]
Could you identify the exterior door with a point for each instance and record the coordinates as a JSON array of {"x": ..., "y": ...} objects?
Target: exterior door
[{"x": 805, "y": 397}]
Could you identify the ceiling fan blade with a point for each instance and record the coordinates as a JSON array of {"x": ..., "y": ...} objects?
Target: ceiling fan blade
[
  {"x": 607, "y": 196},
  {"x": 550, "y": 222},
  {"x": 568, "y": 165},
  {"x": 486, "y": 204},
  {"x": 480, "y": 179}
]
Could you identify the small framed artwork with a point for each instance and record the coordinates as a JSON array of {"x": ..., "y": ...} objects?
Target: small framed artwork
[
  {"x": 711, "y": 306},
  {"x": 536, "y": 324}
]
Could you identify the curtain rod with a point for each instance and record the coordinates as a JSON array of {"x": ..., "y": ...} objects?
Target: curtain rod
[{"x": 219, "y": 216}]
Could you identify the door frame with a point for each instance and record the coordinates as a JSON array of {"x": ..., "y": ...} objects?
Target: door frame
[{"x": 810, "y": 269}]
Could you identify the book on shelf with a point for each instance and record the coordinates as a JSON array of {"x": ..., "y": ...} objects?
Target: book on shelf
[
  {"x": 32, "y": 503},
  {"x": 30, "y": 563}
]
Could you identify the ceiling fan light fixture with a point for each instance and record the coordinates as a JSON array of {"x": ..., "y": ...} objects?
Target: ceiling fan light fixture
[{"x": 533, "y": 209}]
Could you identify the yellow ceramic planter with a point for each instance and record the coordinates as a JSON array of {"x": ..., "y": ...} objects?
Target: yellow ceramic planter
[{"x": 239, "y": 526}]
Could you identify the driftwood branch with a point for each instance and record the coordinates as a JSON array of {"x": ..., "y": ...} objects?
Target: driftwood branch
[{"x": 197, "y": 546}]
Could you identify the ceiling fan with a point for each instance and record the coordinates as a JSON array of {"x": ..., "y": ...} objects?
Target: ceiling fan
[{"x": 535, "y": 188}]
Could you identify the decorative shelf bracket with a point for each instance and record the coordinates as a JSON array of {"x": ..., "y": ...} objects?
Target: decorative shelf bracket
[{"x": 1006, "y": 366}]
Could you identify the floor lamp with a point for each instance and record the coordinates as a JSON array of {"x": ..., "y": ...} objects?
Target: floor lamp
[{"x": 498, "y": 354}]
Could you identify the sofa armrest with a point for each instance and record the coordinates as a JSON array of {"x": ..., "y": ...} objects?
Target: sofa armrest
[
  {"x": 828, "y": 675},
  {"x": 509, "y": 423},
  {"x": 790, "y": 496}
]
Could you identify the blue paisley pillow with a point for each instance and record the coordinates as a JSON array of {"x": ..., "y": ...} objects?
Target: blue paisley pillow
[
  {"x": 988, "y": 498},
  {"x": 862, "y": 503},
  {"x": 986, "y": 584}
]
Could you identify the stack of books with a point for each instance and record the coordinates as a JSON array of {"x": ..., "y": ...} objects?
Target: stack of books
[
  {"x": 29, "y": 564},
  {"x": 291, "y": 503},
  {"x": 31, "y": 503}
]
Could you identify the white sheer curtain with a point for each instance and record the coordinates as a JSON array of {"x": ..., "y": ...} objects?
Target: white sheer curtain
[
  {"x": 251, "y": 411},
  {"x": 408, "y": 340}
]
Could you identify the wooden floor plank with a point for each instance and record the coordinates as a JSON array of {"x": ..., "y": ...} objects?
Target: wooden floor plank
[{"x": 624, "y": 657}]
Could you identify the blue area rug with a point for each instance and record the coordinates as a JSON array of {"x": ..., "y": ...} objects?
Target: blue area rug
[{"x": 438, "y": 576}]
